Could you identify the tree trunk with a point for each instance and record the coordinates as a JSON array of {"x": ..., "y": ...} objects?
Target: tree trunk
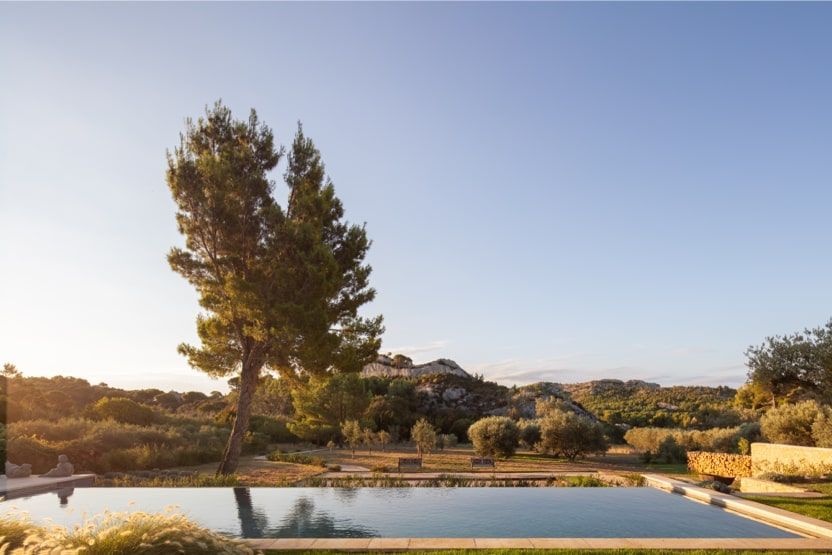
[{"x": 248, "y": 383}]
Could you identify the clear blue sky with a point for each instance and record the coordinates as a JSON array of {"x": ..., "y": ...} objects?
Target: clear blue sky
[{"x": 555, "y": 191}]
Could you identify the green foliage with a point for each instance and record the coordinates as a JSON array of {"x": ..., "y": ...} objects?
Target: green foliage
[
  {"x": 107, "y": 445},
  {"x": 791, "y": 424},
  {"x": 495, "y": 436},
  {"x": 296, "y": 458},
  {"x": 280, "y": 289},
  {"x": 323, "y": 404},
  {"x": 161, "y": 480},
  {"x": 125, "y": 411},
  {"x": 648, "y": 441},
  {"x": 641, "y": 404},
  {"x": 570, "y": 435},
  {"x": 423, "y": 435},
  {"x": 822, "y": 428},
  {"x": 529, "y": 432},
  {"x": 584, "y": 482},
  {"x": 794, "y": 367},
  {"x": 276, "y": 430}
]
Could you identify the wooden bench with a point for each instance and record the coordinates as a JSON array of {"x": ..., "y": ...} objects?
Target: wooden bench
[
  {"x": 482, "y": 462},
  {"x": 410, "y": 463}
]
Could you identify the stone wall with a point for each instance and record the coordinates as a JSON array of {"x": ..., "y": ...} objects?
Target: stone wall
[
  {"x": 756, "y": 485},
  {"x": 790, "y": 460},
  {"x": 725, "y": 465}
]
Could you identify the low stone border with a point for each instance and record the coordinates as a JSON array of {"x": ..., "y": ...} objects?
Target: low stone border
[
  {"x": 773, "y": 515},
  {"x": 406, "y": 544}
]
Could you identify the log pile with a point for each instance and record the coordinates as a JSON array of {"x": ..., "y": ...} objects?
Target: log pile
[{"x": 725, "y": 465}]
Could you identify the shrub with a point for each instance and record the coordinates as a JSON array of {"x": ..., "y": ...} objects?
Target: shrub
[
  {"x": 496, "y": 436},
  {"x": 822, "y": 428},
  {"x": 296, "y": 458},
  {"x": 124, "y": 410},
  {"x": 570, "y": 435},
  {"x": 791, "y": 424},
  {"x": 584, "y": 482},
  {"x": 670, "y": 452},
  {"x": 276, "y": 430}
]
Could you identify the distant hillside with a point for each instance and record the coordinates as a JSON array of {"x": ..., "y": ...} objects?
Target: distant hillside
[
  {"x": 639, "y": 403},
  {"x": 445, "y": 387}
]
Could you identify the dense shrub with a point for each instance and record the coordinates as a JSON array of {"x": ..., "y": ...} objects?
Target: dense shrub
[
  {"x": 648, "y": 441},
  {"x": 496, "y": 436},
  {"x": 124, "y": 410},
  {"x": 276, "y": 430},
  {"x": 791, "y": 424},
  {"x": 570, "y": 435},
  {"x": 822, "y": 428},
  {"x": 296, "y": 458},
  {"x": 106, "y": 445}
]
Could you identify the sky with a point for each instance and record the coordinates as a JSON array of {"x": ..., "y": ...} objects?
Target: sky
[{"x": 558, "y": 192}]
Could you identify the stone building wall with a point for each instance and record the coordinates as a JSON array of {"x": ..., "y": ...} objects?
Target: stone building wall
[{"x": 790, "y": 459}]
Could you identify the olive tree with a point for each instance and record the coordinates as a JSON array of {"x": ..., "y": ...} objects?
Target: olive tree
[
  {"x": 423, "y": 435},
  {"x": 568, "y": 434},
  {"x": 495, "y": 436}
]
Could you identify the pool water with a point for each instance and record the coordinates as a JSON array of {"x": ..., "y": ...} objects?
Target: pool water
[{"x": 413, "y": 512}]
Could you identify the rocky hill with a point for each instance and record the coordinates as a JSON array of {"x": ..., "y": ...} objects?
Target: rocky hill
[{"x": 400, "y": 366}]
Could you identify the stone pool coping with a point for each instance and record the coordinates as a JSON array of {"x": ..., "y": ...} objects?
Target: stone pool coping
[{"x": 427, "y": 544}]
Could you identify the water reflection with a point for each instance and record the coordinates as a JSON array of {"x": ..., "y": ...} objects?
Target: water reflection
[
  {"x": 304, "y": 521},
  {"x": 252, "y": 522},
  {"x": 64, "y": 495}
]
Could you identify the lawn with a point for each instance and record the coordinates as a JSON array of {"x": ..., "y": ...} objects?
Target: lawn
[{"x": 818, "y": 507}]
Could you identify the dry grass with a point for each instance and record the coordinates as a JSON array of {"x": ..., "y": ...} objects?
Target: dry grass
[
  {"x": 456, "y": 459},
  {"x": 117, "y": 533},
  {"x": 259, "y": 472}
]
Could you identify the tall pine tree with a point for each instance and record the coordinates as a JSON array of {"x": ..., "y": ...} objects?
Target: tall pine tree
[{"x": 280, "y": 288}]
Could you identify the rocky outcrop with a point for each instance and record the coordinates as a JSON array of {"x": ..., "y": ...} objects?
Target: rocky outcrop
[{"x": 386, "y": 366}]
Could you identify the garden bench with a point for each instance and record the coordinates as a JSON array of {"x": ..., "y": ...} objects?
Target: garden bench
[
  {"x": 409, "y": 463},
  {"x": 482, "y": 462}
]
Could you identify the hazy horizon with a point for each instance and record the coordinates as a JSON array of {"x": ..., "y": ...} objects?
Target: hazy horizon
[{"x": 558, "y": 192}]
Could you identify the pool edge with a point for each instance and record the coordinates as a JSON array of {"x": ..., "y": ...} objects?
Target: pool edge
[
  {"x": 771, "y": 515},
  {"x": 429, "y": 544}
]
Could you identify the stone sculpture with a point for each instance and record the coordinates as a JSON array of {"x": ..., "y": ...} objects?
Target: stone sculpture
[
  {"x": 18, "y": 470},
  {"x": 63, "y": 469}
]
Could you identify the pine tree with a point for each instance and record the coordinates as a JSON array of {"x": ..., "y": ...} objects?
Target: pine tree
[{"x": 280, "y": 289}]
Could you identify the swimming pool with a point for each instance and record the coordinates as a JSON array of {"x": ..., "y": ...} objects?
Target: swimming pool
[{"x": 414, "y": 512}]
